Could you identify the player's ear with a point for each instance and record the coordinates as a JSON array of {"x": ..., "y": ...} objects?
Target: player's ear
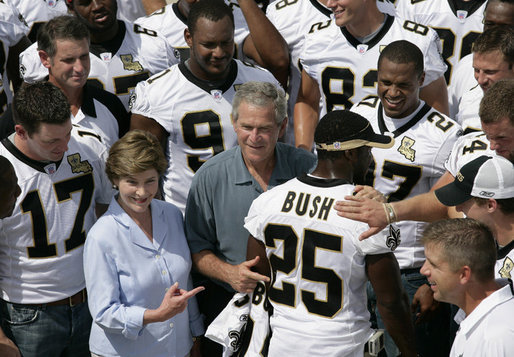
[
  {"x": 45, "y": 58},
  {"x": 283, "y": 127},
  {"x": 21, "y": 132},
  {"x": 422, "y": 79},
  {"x": 188, "y": 37}
]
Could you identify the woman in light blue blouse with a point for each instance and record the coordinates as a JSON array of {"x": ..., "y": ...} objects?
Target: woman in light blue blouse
[{"x": 137, "y": 263}]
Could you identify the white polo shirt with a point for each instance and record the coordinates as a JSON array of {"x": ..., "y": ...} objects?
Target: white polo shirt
[{"x": 487, "y": 330}]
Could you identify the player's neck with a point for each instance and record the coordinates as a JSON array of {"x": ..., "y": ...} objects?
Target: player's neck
[
  {"x": 105, "y": 35},
  {"x": 503, "y": 231},
  {"x": 332, "y": 169},
  {"x": 371, "y": 22},
  {"x": 74, "y": 95},
  {"x": 476, "y": 293}
]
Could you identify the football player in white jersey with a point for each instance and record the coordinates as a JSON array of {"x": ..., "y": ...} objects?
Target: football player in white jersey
[
  {"x": 130, "y": 10},
  {"x": 320, "y": 309},
  {"x": 423, "y": 140},
  {"x": 189, "y": 105},
  {"x": 62, "y": 179},
  {"x": 458, "y": 24},
  {"x": 497, "y": 118},
  {"x": 37, "y": 12},
  {"x": 12, "y": 42},
  {"x": 360, "y": 31},
  {"x": 485, "y": 192},
  {"x": 497, "y": 12},
  {"x": 256, "y": 39},
  {"x": 122, "y": 53},
  {"x": 493, "y": 59}
]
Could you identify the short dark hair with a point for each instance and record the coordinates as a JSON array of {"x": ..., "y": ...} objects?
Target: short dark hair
[
  {"x": 464, "y": 241},
  {"x": 497, "y": 38},
  {"x": 498, "y": 102},
  {"x": 60, "y": 28},
  {"x": 37, "y": 103},
  {"x": 403, "y": 52},
  {"x": 506, "y": 205},
  {"x": 213, "y": 10}
]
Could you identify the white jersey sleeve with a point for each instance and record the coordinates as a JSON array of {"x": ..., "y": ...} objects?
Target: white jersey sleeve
[
  {"x": 466, "y": 149},
  {"x": 242, "y": 328},
  {"x": 463, "y": 80}
]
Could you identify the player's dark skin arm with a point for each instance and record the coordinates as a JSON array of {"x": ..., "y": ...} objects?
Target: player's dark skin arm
[
  {"x": 13, "y": 62},
  {"x": 152, "y": 5},
  {"x": 257, "y": 248},
  {"x": 138, "y": 121},
  {"x": 392, "y": 302},
  {"x": 264, "y": 44}
]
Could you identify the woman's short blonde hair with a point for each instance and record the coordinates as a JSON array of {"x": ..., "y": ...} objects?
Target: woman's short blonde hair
[{"x": 136, "y": 152}]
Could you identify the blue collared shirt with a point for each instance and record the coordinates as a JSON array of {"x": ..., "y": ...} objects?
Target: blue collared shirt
[{"x": 126, "y": 274}]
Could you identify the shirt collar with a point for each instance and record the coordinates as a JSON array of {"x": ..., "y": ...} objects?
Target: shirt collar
[
  {"x": 88, "y": 106},
  {"x": 499, "y": 296},
  {"x": 279, "y": 175},
  {"x": 158, "y": 224}
]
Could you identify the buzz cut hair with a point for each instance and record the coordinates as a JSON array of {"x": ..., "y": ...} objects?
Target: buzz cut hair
[
  {"x": 213, "y": 10},
  {"x": 404, "y": 52}
]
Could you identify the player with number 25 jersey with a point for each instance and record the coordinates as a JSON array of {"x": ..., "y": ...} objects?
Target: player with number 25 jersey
[
  {"x": 318, "y": 289},
  {"x": 346, "y": 69},
  {"x": 41, "y": 244}
]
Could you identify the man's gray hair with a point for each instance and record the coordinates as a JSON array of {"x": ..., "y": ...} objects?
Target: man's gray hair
[{"x": 260, "y": 94}]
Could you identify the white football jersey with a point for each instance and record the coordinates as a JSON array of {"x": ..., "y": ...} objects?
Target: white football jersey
[
  {"x": 284, "y": 15},
  {"x": 457, "y": 29},
  {"x": 41, "y": 243},
  {"x": 11, "y": 32},
  {"x": 318, "y": 289},
  {"x": 466, "y": 149},
  {"x": 132, "y": 56},
  {"x": 505, "y": 262},
  {"x": 130, "y": 10},
  {"x": 242, "y": 328},
  {"x": 467, "y": 115},
  {"x": 463, "y": 80},
  {"x": 347, "y": 79},
  {"x": 196, "y": 116},
  {"x": 37, "y": 12},
  {"x": 423, "y": 141},
  {"x": 170, "y": 23}
]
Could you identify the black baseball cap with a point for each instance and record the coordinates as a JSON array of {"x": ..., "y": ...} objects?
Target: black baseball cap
[{"x": 344, "y": 130}]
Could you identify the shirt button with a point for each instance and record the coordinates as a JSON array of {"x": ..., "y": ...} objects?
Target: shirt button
[
  {"x": 157, "y": 256},
  {"x": 166, "y": 290},
  {"x": 164, "y": 272},
  {"x": 171, "y": 324}
]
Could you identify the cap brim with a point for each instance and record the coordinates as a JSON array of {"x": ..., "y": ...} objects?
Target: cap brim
[
  {"x": 451, "y": 195},
  {"x": 377, "y": 141},
  {"x": 381, "y": 141}
]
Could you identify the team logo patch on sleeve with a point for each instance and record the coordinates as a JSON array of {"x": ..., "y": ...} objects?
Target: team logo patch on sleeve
[
  {"x": 393, "y": 239},
  {"x": 129, "y": 64},
  {"x": 406, "y": 148},
  {"x": 78, "y": 166},
  {"x": 506, "y": 269}
]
